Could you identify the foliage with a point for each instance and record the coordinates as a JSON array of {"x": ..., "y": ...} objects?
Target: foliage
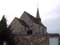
[{"x": 4, "y": 32}]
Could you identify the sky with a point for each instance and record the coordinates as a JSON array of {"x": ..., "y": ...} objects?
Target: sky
[{"x": 49, "y": 11}]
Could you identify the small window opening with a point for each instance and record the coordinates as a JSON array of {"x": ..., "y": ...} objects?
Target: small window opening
[{"x": 29, "y": 32}]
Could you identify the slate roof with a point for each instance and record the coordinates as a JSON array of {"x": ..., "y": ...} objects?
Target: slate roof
[{"x": 34, "y": 19}]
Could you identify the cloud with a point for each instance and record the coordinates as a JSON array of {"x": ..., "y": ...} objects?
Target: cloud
[
  {"x": 53, "y": 21},
  {"x": 53, "y": 26}
]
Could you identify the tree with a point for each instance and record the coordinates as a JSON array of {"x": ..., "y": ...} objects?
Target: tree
[{"x": 4, "y": 32}]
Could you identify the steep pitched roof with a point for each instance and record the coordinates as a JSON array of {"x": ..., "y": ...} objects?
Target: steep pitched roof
[
  {"x": 34, "y": 19},
  {"x": 21, "y": 21}
]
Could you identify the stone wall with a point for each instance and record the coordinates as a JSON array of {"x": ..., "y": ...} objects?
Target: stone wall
[{"x": 31, "y": 40}]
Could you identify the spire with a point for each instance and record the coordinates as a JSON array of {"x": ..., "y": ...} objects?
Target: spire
[{"x": 37, "y": 16}]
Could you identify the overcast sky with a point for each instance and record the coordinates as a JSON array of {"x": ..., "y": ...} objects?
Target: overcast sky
[{"x": 49, "y": 11}]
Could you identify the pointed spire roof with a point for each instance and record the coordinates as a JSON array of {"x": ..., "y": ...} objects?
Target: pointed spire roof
[{"x": 37, "y": 16}]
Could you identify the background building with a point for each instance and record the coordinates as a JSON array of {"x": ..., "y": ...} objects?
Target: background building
[{"x": 53, "y": 39}]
